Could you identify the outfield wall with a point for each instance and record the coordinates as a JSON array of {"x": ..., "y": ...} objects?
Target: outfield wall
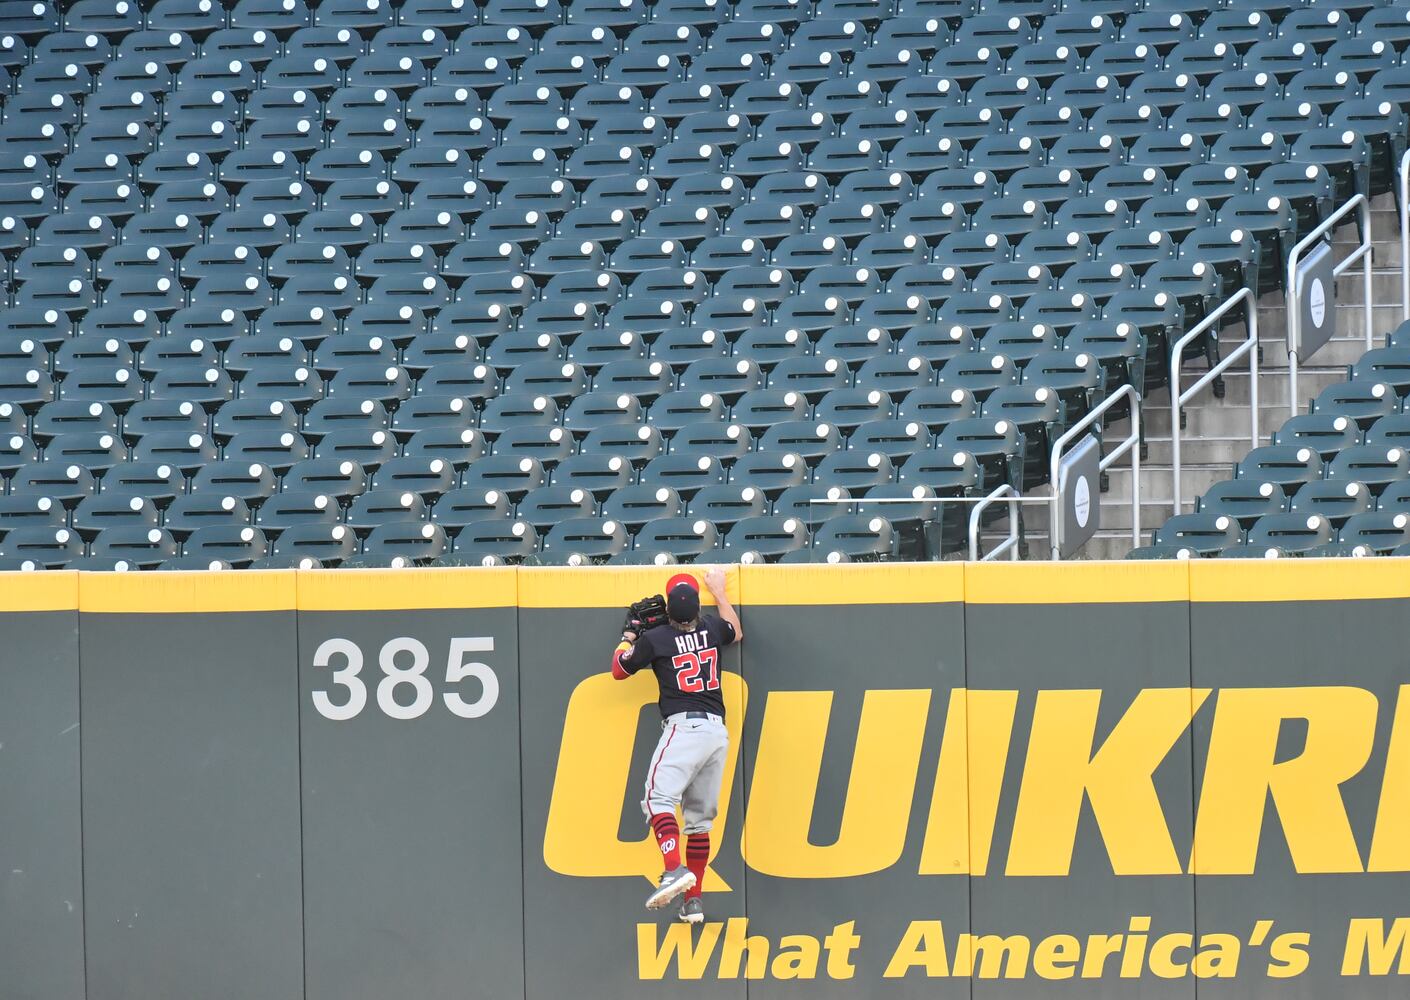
[{"x": 1019, "y": 781}]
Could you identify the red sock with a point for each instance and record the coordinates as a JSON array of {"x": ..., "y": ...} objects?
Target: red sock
[
  {"x": 697, "y": 853},
  {"x": 668, "y": 838}
]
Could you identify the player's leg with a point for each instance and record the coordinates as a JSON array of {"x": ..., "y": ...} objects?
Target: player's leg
[
  {"x": 699, "y": 805},
  {"x": 667, "y": 776}
]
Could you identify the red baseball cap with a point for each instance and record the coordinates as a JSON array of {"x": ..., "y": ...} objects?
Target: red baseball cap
[
  {"x": 684, "y": 578},
  {"x": 682, "y": 598}
]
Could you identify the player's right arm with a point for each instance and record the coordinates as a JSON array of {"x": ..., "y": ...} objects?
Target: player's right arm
[{"x": 715, "y": 582}]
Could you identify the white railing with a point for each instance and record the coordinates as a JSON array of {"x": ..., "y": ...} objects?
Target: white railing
[
  {"x": 1405, "y": 236},
  {"x": 1010, "y": 543},
  {"x": 1006, "y": 492},
  {"x": 1179, "y": 398},
  {"x": 1129, "y": 443},
  {"x": 1361, "y": 253}
]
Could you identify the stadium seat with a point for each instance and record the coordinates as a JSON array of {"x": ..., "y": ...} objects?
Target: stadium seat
[
  {"x": 1327, "y": 432},
  {"x": 1291, "y": 532},
  {"x": 497, "y": 541},
  {"x": 1336, "y": 501},
  {"x": 1243, "y": 500},
  {"x": 1286, "y": 466},
  {"x": 390, "y": 237},
  {"x": 1202, "y": 533}
]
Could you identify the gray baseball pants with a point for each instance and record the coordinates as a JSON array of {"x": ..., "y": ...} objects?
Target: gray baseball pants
[{"x": 686, "y": 770}]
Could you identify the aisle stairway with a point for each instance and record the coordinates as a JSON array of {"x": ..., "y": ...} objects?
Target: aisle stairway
[{"x": 1217, "y": 431}]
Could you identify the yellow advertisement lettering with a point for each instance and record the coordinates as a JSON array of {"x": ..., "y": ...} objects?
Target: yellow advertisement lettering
[
  {"x": 965, "y": 804},
  {"x": 594, "y": 778},
  {"x": 691, "y": 955},
  {"x": 922, "y": 947},
  {"x": 1390, "y": 847},
  {"x": 879, "y": 792},
  {"x": 1242, "y": 771},
  {"x": 1056, "y": 956},
  {"x": 1165, "y": 958},
  {"x": 1327, "y": 738},
  {"x": 989, "y": 956},
  {"x": 1118, "y": 781},
  {"x": 1371, "y": 950}
]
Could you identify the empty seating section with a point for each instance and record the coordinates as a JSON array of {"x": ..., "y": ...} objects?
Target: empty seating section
[
  {"x": 1334, "y": 481},
  {"x": 443, "y": 281}
]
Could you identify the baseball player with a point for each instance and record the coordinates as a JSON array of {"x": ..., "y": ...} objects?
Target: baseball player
[{"x": 683, "y": 651}]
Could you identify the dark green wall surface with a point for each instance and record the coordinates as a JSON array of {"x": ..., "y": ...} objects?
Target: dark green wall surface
[{"x": 443, "y": 804}]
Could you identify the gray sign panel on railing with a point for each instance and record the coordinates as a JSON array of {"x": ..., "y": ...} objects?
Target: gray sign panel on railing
[
  {"x": 1079, "y": 485},
  {"x": 1316, "y": 294}
]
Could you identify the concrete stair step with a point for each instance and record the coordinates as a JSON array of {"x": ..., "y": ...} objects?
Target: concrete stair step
[
  {"x": 1386, "y": 254},
  {"x": 1351, "y": 322},
  {"x": 1115, "y": 517},
  {"x": 1156, "y": 502},
  {"x": 1272, "y": 386},
  {"x": 1343, "y": 349},
  {"x": 1216, "y": 433},
  {"x": 1156, "y": 483},
  {"x": 1386, "y": 250},
  {"x": 1216, "y": 418},
  {"x": 1103, "y": 545},
  {"x": 1385, "y": 286},
  {"x": 1201, "y": 449}
]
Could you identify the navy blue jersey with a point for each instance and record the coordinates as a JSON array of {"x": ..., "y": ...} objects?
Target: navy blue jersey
[{"x": 686, "y": 663}]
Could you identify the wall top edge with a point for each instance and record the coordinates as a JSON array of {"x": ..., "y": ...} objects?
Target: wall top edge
[{"x": 1003, "y": 583}]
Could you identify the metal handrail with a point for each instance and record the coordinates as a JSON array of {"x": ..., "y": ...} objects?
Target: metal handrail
[
  {"x": 1011, "y": 496},
  {"x": 981, "y": 502},
  {"x": 1128, "y": 392},
  {"x": 1178, "y": 399},
  {"x": 1361, "y": 253},
  {"x": 1405, "y": 235},
  {"x": 1009, "y": 544}
]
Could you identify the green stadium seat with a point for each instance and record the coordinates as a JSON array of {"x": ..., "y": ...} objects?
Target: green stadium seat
[{"x": 1293, "y": 533}]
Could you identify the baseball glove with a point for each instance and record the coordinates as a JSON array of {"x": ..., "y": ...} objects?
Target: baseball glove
[{"x": 646, "y": 613}]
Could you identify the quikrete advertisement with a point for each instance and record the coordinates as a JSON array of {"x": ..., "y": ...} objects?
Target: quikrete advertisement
[
  {"x": 1268, "y": 807},
  {"x": 1027, "y": 781}
]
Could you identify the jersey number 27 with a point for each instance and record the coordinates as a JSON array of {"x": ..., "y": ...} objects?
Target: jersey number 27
[{"x": 688, "y": 667}]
